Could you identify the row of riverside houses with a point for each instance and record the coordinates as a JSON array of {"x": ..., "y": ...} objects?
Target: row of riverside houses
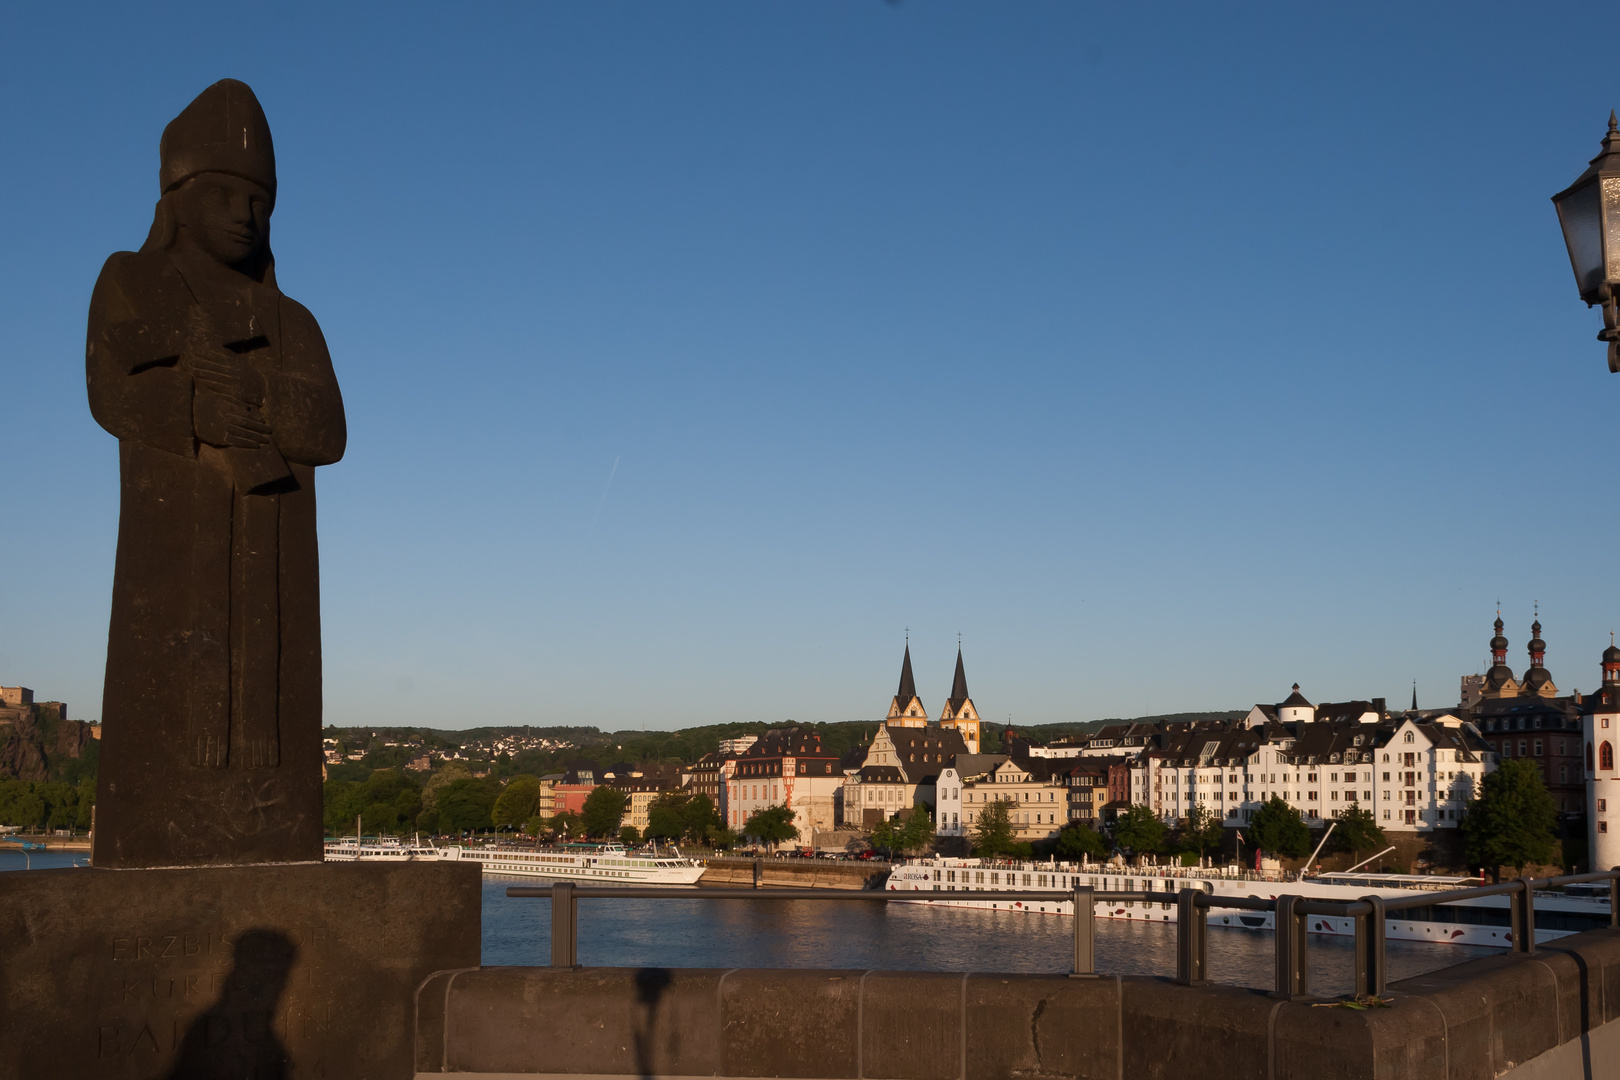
[{"x": 1414, "y": 769}]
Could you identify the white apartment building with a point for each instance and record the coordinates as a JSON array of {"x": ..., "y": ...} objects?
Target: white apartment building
[{"x": 1413, "y": 772}]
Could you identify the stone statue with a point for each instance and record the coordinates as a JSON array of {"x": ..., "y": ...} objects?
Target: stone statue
[{"x": 221, "y": 393}]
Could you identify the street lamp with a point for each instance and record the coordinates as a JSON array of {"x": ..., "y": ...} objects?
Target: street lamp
[{"x": 1589, "y": 214}]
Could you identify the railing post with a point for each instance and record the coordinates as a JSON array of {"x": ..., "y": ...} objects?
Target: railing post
[
  {"x": 1293, "y": 969},
  {"x": 1085, "y": 934},
  {"x": 1614, "y": 896},
  {"x": 1192, "y": 939},
  {"x": 1372, "y": 970},
  {"x": 564, "y": 926},
  {"x": 1524, "y": 919},
  {"x": 759, "y": 873}
]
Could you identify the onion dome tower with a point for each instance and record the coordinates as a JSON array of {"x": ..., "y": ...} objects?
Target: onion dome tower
[
  {"x": 1538, "y": 681},
  {"x": 907, "y": 708},
  {"x": 1600, "y": 730},
  {"x": 1499, "y": 681}
]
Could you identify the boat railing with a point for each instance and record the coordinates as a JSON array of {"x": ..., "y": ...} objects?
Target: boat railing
[{"x": 1291, "y": 923}]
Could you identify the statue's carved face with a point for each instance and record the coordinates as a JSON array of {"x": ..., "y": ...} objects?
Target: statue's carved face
[{"x": 224, "y": 216}]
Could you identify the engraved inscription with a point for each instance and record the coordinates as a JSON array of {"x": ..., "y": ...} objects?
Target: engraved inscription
[
  {"x": 180, "y": 996},
  {"x": 183, "y": 945}
]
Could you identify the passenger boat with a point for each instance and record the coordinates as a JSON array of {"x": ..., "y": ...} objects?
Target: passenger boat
[
  {"x": 605, "y": 864},
  {"x": 355, "y": 849},
  {"x": 1481, "y": 921}
]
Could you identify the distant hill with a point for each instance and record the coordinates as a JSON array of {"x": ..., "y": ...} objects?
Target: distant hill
[{"x": 541, "y": 750}]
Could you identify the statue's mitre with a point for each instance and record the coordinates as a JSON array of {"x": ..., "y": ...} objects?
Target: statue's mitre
[{"x": 223, "y": 130}]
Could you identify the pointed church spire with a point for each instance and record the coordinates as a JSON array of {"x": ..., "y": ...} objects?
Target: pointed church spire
[
  {"x": 908, "y": 685},
  {"x": 1414, "y": 695},
  {"x": 959, "y": 691}
]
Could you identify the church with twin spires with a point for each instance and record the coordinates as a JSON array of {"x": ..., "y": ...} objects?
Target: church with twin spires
[{"x": 959, "y": 715}]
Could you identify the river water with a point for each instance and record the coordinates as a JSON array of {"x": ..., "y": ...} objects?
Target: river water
[
  {"x": 869, "y": 935},
  {"x": 912, "y": 937}
]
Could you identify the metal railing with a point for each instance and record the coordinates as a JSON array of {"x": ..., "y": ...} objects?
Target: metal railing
[{"x": 1291, "y": 952}]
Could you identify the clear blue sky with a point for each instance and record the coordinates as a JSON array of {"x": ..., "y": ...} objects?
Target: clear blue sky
[{"x": 1169, "y": 354}]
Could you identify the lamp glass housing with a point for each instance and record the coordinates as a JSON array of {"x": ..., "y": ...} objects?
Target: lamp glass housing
[{"x": 1580, "y": 215}]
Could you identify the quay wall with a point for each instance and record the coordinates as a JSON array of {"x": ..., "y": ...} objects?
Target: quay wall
[
  {"x": 1544, "y": 1017},
  {"x": 797, "y": 873}
]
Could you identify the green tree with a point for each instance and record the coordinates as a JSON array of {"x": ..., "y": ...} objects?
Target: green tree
[
  {"x": 629, "y": 836},
  {"x": 465, "y": 805},
  {"x": 702, "y": 818},
  {"x": 21, "y": 805},
  {"x": 388, "y": 802},
  {"x": 917, "y": 833},
  {"x": 668, "y": 816},
  {"x": 1511, "y": 822},
  {"x": 885, "y": 836},
  {"x": 87, "y": 801},
  {"x": 565, "y": 825},
  {"x": 1140, "y": 830},
  {"x": 993, "y": 831},
  {"x": 1202, "y": 831},
  {"x": 1077, "y": 839},
  {"x": 772, "y": 825},
  {"x": 518, "y": 801},
  {"x": 603, "y": 810},
  {"x": 1358, "y": 831},
  {"x": 443, "y": 777},
  {"x": 681, "y": 814},
  {"x": 905, "y": 832},
  {"x": 1277, "y": 828}
]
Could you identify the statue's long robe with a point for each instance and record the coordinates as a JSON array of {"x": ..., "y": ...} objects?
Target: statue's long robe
[{"x": 211, "y": 714}]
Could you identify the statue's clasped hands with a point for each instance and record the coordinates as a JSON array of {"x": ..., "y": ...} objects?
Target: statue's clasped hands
[{"x": 227, "y": 406}]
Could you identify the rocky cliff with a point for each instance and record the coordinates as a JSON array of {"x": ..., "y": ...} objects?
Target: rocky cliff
[{"x": 37, "y": 742}]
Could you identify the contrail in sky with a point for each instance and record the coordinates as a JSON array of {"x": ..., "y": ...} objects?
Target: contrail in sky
[{"x": 608, "y": 487}]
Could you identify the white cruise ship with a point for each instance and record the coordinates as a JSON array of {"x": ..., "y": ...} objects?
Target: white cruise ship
[
  {"x": 603, "y": 864},
  {"x": 1482, "y": 921},
  {"x": 353, "y": 849},
  {"x": 597, "y": 863}
]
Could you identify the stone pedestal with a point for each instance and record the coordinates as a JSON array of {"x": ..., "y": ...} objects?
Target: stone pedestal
[{"x": 270, "y": 972}]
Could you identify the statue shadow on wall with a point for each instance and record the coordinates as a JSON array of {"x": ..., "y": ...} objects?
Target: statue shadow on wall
[
  {"x": 235, "y": 1038},
  {"x": 650, "y": 986}
]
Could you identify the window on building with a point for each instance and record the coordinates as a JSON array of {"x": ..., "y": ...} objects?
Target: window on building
[
  {"x": 1606, "y": 756},
  {"x": 1603, "y": 826}
]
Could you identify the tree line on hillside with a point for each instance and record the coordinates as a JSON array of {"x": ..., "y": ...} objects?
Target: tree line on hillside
[{"x": 662, "y": 747}]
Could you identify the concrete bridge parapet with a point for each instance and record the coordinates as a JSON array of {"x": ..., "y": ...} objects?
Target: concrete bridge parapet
[{"x": 1529, "y": 1018}]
